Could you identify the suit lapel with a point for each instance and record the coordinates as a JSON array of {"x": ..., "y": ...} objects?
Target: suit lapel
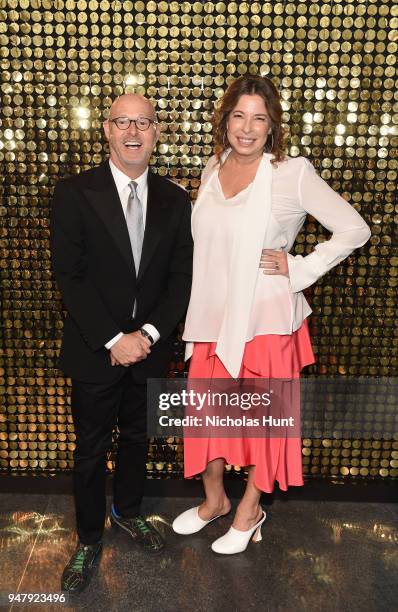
[
  {"x": 156, "y": 221},
  {"x": 104, "y": 198}
]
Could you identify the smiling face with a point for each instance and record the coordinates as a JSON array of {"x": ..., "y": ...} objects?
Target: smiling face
[
  {"x": 248, "y": 126},
  {"x": 131, "y": 149}
]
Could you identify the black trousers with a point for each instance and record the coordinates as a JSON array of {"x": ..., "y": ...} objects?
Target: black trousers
[{"x": 96, "y": 409}]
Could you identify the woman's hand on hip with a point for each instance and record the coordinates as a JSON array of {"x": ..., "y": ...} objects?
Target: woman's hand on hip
[{"x": 274, "y": 262}]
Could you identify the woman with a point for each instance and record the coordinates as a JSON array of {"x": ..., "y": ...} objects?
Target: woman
[{"x": 247, "y": 314}]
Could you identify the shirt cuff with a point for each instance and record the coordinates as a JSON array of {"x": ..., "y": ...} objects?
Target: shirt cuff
[
  {"x": 110, "y": 343},
  {"x": 152, "y": 331},
  {"x": 305, "y": 271}
]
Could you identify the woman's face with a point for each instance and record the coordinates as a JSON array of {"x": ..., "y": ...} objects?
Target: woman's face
[{"x": 248, "y": 126}]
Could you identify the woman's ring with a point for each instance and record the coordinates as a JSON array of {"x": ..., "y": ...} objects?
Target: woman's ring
[{"x": 276, "y": 266}]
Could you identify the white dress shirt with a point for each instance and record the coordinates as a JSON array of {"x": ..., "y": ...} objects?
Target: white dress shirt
[
  {"x": 122, "y": 182},
  {"x": 232, "y": 300}
]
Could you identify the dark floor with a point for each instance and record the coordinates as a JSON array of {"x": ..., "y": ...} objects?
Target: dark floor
[{"x": 329, "y": 556}]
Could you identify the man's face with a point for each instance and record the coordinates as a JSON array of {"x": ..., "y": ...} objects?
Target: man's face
[{"x": 131, "y": 149}]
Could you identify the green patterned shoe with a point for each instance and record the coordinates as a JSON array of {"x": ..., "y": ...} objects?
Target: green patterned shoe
[
  {"x": 141, "y": 531},
  {"x": 77, "y": 574}
]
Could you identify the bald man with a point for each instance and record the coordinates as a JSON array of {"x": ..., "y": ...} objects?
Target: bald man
[{"x": 122, "y": 257}]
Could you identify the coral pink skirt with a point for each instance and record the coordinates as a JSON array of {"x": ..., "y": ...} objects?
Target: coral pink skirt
[{"x": 275, "y": 459}]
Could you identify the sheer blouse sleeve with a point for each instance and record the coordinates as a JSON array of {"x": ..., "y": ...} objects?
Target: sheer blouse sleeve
[{"x": 349, "y": 230}]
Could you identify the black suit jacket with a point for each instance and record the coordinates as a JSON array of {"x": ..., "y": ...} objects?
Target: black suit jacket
[{"x": 94, "y": 268}]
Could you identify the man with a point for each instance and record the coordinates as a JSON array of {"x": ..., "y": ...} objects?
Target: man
[{"x": 122, "y": 256}]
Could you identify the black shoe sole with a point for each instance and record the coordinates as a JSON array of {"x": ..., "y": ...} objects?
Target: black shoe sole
[{"x": 150, "y": 551}]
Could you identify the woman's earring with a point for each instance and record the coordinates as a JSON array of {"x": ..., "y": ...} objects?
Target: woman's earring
[
  {"x": 272, "y": 141},
  {"x": 224, "y": 140}
]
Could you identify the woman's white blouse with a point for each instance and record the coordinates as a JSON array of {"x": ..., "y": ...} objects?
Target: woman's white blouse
[{"x": 232, "y": 300}]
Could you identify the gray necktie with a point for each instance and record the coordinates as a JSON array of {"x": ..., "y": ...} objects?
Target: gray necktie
[{"x": 135, "y": 224}]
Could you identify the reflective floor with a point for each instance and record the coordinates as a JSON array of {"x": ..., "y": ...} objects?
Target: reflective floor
[{"x": 329, "y": 556}]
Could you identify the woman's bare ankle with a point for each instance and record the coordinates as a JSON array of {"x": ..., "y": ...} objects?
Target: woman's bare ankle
[
  {"x": 246, "y": 517},
  {"x": 212, "y": 508}
]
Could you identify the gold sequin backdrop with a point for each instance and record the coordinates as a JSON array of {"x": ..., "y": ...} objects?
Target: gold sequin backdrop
[{"x": 62, "y": 63}]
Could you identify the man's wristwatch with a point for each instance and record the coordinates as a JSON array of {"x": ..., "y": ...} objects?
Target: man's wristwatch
[{"x": 146, "y": 335}]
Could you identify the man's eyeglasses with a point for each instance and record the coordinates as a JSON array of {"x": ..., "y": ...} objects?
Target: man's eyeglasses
[{"x": 141, "y": 123}]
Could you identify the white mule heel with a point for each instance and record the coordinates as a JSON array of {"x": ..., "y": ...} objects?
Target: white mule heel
[
  {"x": 235, "y": 541},
  {"x": 190, "y": 522}
]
